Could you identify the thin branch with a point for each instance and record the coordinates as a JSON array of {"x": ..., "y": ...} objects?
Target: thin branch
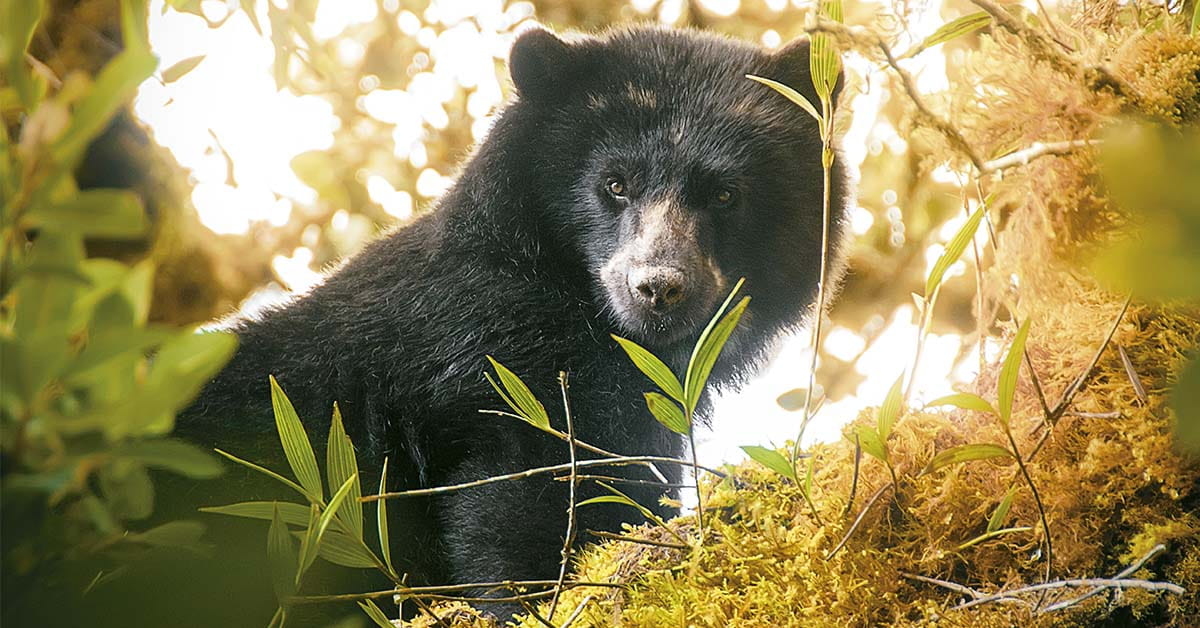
[
  {"x": 578, "y": 443},
  {"x": 569, "y": 541},
  {"x": 578, "y": 611},
  {"x": 1126, "y": 572},
  {"x": 1104, "y": 583},
  {"x": 1076, "y": 385},
  {"x": 1131, "y": 372},
  {"x": 618, "y": 480},
  {"x": 600, "y": 462},
  {"x": 630, "y": 539},
  {"x": 433, "y": 592},
  {"x": 1116, "y": 414},
  {"x": 858, "y": 520},
  {"x": 1037, "y": 499},
  {"x": 945, "y": 584},
  {"x": 854, "y": 478},
  {"x": 1037, "y": 149},
  {"x": 529, "y": 608}
]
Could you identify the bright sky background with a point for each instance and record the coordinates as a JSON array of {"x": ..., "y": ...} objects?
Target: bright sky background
[{"x": 230, "y": 102}]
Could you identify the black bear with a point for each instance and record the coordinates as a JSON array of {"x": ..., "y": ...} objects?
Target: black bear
[{"x": 632, "y": 180}]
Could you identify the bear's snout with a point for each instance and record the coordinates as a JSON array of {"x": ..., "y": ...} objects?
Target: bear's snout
[{"x": 659, "y": 288}]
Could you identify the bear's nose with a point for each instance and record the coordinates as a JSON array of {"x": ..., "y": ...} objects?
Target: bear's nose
[{"x": 658, "y": 287}]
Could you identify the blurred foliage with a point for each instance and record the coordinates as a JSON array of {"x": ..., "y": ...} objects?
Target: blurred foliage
[{"x": 88, "y": 386}]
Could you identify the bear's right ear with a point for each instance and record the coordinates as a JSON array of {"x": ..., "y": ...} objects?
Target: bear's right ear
[{"x": 540, "y": 63}]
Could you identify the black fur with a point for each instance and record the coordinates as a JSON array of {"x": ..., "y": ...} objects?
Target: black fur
[{"x": 512, "y": 264}]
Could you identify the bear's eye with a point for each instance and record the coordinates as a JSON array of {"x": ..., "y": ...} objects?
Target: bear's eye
[
  {"x": 724, "y": 197},
  {"x": 616, "y": 187}
]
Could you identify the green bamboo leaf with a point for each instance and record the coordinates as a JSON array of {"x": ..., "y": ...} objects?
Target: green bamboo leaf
[
  {"x": 381, "y": 620},
  {"x": 772, "y": 460},
  {"x": 952, "y": 30},
  {"x": 519, "y": 397},
  {"x": 281, "y": 555},
  {"x": 292, "y": 514},
  {"x": 309, "y": 553},
  {"x": 796, "y": 97},
  {"x": 652, "y": 367},
  {"x": 808, "y": 476},
  {"x": 966, "y": 401},
  {"x": 179, "y": 70},
  {"x": 385, "y": 546},
  {"x": 618, "y": 497},
  {"x": 954, "y": 250},
  {"x": 114, "y": 86},
  {"x": 824, "y": 62},
  {"x": 343, "y": 549},
  {"x": 870, "y": 442},
  {"x": 340, "y": 465},
  {"x": 1001, "y": 512},
  {"x": 1195, "y": 20},
  {"x": 308, "y": 544},
  {"x": 20, "y": 21},
  {"x": 709, "y": 346},
  {"x": 267, "y": 472},
  {"x": 668, "y": 413},
  {"x": 296, "y": 447},
  {"x": 890, "y": 409},
  {"x": 1006, "y": 388},
  {"x": 965, "y": 453}
]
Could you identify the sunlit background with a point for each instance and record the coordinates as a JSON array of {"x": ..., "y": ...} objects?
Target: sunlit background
[{"x": 391, "y": 98}]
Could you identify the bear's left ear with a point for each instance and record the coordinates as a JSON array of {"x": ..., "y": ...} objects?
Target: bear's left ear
[
  {"x": 540, "y": 63},
  {"x": 790, "y": 65}
]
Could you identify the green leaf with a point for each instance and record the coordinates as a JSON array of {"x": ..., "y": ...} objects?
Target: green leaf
[
  {"x": 381, "y": 620},
  {"x": 281, "y": 556},
  {"x": 890, "y": 409},
  {"x": 340, "y": 465},
  {"x": 952, "y": 30},
  {"x": 308, "y": 553},
  {"x": 115, "y": 85},
  {"x": 618, "y": 497},
  {"x": 267, "y": 472},
  {"x": 385, "y": 546},
  {"x": 824, "y": 62},
  {"x": 709, "y": 346},
  {"x": 179, "y": 534},
  {"x": 870, "y": 442},
  {"x": 519, "y": 397},
  {"x": 1006, "y": 388},
  {"x": 965, "y": 453},
  {"x": 296, "y": 447},
  {"x": 668, "y": 413},
  {"x": 1195, "y": 29},
  {"x": 1185, "y": 401},
  {"x": 987, "y": 536},
  {"x": 171, "y": 455},
  {"x": 127, "y": 490},
  {"x": 792, "y": 95},
  {"x": 20, "y": 20},
  {"x": 954, "y": 250},
  {"x": 292, "y": 514},
  {"x": 343, "y": 549},
  {"x": 966, "y": 401},
  {"x": 808, "y": 476},
  {"x": 177, "y": 71},
  {"x": 772, "y": 460},
  {"x": 652, "y": 367},
  {"x": 1001, "y": 511}
]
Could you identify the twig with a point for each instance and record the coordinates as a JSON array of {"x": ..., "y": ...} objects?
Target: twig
[
  {"x": 946, "y": 584},
  {"x": 578, "y": 443},
  {"x": 424, "y": 608},
  {"x": 1131, "y": 372},
  {"x": 617, "y": 480},
  {"x": 858, "y": 520},
  {"x": 569, "y": 541},
  {"x": 1037, "y": 149},
  {"x": 529, "y": 608},
  {"x": 630, "y": 539},
  {"x": 854, "y": 478},
  {"x": 1037, "y": 499},
  {"x": 1104, "y": 583},
  {"x": 1076, "y": 385},
  {"x": 599, "y": 462},
  {"x": 432, "y": 592},
  {"x": 1115, "y": 414},
  {"x": 1124, "y": 573},
  {"x": 577, "y": 612}
]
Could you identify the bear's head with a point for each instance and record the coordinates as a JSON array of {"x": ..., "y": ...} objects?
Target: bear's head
[{"x": 658, "y": 162}]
